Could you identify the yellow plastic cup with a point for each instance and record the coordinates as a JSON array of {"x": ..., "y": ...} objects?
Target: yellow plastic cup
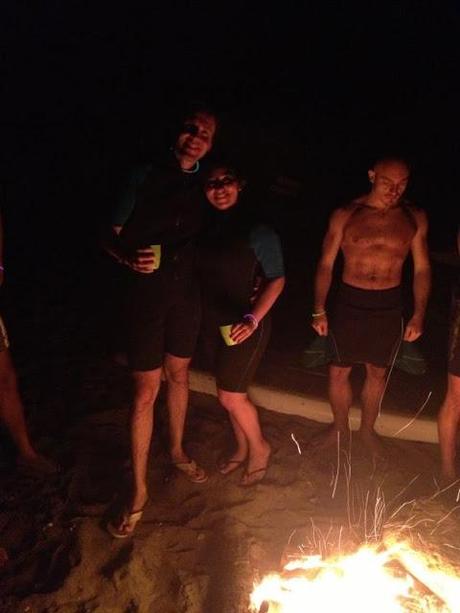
[
  {"x": 157, "y": 253},
  {"x": 225, "y": 331}
]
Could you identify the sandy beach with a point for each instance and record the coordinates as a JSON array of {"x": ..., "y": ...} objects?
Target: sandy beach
[
  {"x": 308, "y": 97},
  {"x": 199, "y": 548}
]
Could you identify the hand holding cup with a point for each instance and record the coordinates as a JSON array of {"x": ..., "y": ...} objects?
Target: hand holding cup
[
  {"x": 146, "y": 260},
  {"x": 233, "y": 334}
]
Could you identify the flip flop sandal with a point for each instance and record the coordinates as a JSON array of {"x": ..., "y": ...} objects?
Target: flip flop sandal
[
  {"x": 235, "y": 464},
  {"x": 192, "y": 471},
  {"x": 260, "y": 472},
  {"x": 127, "y": 524}
]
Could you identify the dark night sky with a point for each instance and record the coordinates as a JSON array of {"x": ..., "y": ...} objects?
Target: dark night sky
[{"x": 305, "y": 92}]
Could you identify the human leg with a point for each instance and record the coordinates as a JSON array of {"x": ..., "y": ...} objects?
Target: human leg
[
  {"x": 146, "y": 386},
  {"x": 340, "y": 395},
  {"x": 235, "y": 368},
  {"x": 371, "y": 395},
  {"x": 11, "y": 408},
  {"x": 176, "y": 371},
  {"x": 236, "y": 459},
  {"x": 182, "y": 324},
  {"x": 448, "y": 422},
  {"x": 243, "y": 412},
  {"x": 144, "y": 321},
  {"x": 12, "y": 415},
  {"x": 340, "y": 398}
]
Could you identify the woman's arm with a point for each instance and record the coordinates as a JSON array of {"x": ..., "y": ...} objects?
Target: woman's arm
[
  {"x": 267, "y": 298},
  {"x": 267, "y": 248}
]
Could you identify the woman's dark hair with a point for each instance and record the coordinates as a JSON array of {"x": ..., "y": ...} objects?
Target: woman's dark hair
[{"x": 216, "y": 163}]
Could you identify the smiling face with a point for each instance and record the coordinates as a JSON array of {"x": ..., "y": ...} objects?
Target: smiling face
[
  {"x": 195, "y": 139},
  {"x": 222, "y": 188},
  {"x": 389, "y": 180}
]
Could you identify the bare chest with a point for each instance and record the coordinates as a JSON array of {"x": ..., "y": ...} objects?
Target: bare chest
[{"x": 367, "y": 227}]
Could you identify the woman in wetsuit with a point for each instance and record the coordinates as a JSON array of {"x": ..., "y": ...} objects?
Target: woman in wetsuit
[{"x": 242, "y": 275}]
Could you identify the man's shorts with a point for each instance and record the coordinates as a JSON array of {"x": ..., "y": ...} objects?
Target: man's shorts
[
  {"x": 366, "y": 326},
  {"x": 4, "y": 341},
  {"x": 161, "y": 320},
  {"x": 453, "y": 365}
]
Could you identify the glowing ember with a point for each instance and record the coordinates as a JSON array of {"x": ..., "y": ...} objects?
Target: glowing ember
[{"x": 393, "y": 579}]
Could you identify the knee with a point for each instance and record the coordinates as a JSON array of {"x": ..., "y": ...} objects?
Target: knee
[
  {"x": 229, "y": 400},
  {"x": 337, "y": 374},
  {"x": 176, "y": 374},
  {"x": 376, "y": 373},
  {"x": 145, "y": 395},
  {"x": 451, "y": 406}
]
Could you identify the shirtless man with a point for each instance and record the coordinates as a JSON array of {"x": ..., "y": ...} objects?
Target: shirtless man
[{"x": 375, "y": 234}]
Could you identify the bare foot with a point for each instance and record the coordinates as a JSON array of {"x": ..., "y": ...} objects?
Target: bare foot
[
  {"x": 447, "y": 478},
  {"x": 257, "y": 466},
  {"x": 328, "y": 438},
  {"x": 374, "y": 445},
  {"x": 37, "y": 464}
]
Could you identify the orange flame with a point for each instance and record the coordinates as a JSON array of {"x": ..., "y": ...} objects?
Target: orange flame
[{"x": 367, "y": 580}]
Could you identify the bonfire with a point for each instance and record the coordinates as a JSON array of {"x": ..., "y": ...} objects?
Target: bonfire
[
  {"x": 391, "y": 578},
  {"x": 386, "y": 566}
]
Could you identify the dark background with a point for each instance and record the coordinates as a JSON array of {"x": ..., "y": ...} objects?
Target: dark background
[{"x": 307, "y": 97}]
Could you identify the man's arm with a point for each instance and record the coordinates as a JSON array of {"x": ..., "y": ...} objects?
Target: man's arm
[
  {"x": 421, "y": 284},
  {"x": 142, "y": 260},
  {"x": 323, "y": 277}
]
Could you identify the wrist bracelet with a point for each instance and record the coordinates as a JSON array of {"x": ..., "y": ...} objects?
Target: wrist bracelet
[
  {"x": 319, "y": 314},
  {"x": 252, "y": 318}
]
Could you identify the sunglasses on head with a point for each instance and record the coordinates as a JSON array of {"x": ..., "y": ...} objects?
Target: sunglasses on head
[{"x": 217, "y": 183}]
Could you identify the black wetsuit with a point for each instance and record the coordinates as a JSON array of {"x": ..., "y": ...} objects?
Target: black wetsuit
[
  {"x": 163, "y": 307},
  {"x": 231, "y": 275}
]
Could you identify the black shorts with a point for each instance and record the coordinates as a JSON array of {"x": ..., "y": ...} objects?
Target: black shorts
[
  {"x": 162, "y": 319},
  {"x": 234, "y": 366},
  {"x": 453, "y": 365},
  {"x": 366, "y": 326}
]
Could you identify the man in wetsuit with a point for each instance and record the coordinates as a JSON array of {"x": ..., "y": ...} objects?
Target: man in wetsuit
[
  {"x": 163, "y": 314},
  {"x": 375, "y": 234}
]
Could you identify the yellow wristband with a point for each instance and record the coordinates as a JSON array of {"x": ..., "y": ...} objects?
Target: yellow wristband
[{"x": 320, "y": 314}]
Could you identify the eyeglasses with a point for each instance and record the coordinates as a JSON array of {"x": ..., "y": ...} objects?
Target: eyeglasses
[
  {"x": 218, "y": 183},
  {"x": 190, "y": 128}
]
